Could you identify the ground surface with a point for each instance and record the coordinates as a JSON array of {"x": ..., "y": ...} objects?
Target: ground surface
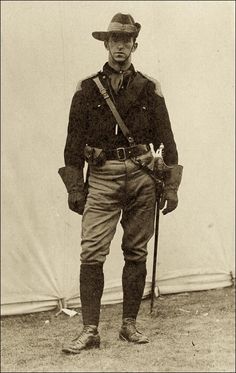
[{"x": 189, "y": 332}]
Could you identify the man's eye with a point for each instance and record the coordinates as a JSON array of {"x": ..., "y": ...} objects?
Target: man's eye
[
  {"x": 115, "y": 38},
  {"x": 127, "y": 39},
  {"x": 124, "y": 39}
]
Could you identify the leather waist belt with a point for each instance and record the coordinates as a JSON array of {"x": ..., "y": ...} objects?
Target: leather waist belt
[{"x": 121, "y": 154}]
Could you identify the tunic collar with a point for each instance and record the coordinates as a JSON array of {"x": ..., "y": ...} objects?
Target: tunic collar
[{"x": 108, "y": 70}]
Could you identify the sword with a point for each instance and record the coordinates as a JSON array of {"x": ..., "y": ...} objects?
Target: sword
[
  {"x": 159, "y": 163},
  {"x": 157, "y": 176}
]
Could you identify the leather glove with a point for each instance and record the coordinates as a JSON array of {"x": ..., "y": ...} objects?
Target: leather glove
[
  {"x": 170, "y": 198},
  {"x": 76, "y": 201},
  {"x": 172, "y": 178},
  {"x": 73, "y": 179}
]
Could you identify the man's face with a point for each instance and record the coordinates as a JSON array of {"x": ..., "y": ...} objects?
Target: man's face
[{"x": 120, "y": 46}]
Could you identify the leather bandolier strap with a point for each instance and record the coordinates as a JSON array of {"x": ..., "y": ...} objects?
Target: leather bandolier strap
[
  {"x": 114, "y": 111},
  {"x": 127, "y": 134}
]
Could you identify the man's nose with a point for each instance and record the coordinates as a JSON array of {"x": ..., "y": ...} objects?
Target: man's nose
[{"x": 120, "y": 44}]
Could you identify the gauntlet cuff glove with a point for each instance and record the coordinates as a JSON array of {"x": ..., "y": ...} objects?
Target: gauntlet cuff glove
[
  {"x": 73, "y": 179},
  {"x": 172, "y": 178}
]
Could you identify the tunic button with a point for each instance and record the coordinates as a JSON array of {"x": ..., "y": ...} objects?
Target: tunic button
[
  {"x": 144, "y": 108},
  {"x": 104, "y": 77}
]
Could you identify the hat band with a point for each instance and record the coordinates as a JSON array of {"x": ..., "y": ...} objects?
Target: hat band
[{"x": 119, "y": 27}]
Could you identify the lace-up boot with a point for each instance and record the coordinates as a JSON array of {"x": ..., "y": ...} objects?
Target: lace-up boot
[
  {"x": 88, "y": 338},
  {"x": 129, "y": 332}
]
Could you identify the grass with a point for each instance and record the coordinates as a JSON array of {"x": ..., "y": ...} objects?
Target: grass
[{"x": 188, "y": 332}]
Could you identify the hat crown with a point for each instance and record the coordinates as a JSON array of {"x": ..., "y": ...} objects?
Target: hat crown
[{"x": 125, "y": 19}]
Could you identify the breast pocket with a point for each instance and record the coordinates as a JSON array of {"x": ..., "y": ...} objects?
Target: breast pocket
[
  {"x": 101, "y": 119},
  {"x": 139, "y": 116},
  {"x": 96, "y": 110},
  {"x": 96, "y": 113}
]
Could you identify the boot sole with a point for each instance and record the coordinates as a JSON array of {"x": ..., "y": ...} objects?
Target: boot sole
[
  {"x": 74, "y": 351},
  {"x": 124, "y": 339}
]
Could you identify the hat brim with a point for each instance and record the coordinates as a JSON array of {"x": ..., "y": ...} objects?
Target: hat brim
[
  {"x": 103, "y": 35},
  {"x": 100, "y": 35}
]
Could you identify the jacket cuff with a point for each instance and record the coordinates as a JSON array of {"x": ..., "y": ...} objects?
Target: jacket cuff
[{"x": 72, "y": 177}]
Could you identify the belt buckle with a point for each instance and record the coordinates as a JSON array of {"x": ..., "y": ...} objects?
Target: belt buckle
[{"x": 123, "y": 156}]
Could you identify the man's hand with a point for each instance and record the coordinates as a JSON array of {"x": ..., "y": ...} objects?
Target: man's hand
[
  {"x": 172, "y": 179},
  {"x": 76, "y": 201},
  {"x": 73, "y": 179},
  {"x": 170, "y": 199}
]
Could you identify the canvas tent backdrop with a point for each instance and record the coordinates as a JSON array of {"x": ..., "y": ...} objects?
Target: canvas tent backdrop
[{"x": 47, "y": 48}]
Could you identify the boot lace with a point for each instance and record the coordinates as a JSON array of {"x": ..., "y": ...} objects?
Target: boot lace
[
  {"x": 82, "y": 337},
  {"x": 130, "y": 325}
]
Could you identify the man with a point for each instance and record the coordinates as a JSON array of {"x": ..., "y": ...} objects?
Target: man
[{"x": 116, "y": 183}]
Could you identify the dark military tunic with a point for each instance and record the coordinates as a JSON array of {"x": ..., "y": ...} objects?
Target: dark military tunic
[{"x": 141, "y": 106}]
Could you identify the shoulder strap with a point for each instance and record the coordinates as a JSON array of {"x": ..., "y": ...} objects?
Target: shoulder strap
[
  {"x": 157, "y": 84},
  {"x": 114, "y": 111},
  {"x": 79, "y": 84}
]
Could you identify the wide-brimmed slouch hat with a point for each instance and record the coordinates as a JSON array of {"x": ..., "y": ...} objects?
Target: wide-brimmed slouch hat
[{"x": 120, "y": 23}]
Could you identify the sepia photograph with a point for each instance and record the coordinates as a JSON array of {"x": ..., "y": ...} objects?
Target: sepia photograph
[{"x": 117, "y": 186}]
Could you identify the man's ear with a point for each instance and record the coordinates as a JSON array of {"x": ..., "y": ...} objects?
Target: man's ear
[
  {"x": 135, "y": 46},
  {"x": 106, "y": 44}
]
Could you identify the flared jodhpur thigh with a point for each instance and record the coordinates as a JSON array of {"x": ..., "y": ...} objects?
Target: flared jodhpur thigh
[
  {"x": 139, "y": 211},
  {"x": 102, "y": 210},
  {"x": 115, "y": 186}
]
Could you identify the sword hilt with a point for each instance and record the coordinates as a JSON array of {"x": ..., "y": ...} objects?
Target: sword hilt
[{"x": 159, "y": 152}]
